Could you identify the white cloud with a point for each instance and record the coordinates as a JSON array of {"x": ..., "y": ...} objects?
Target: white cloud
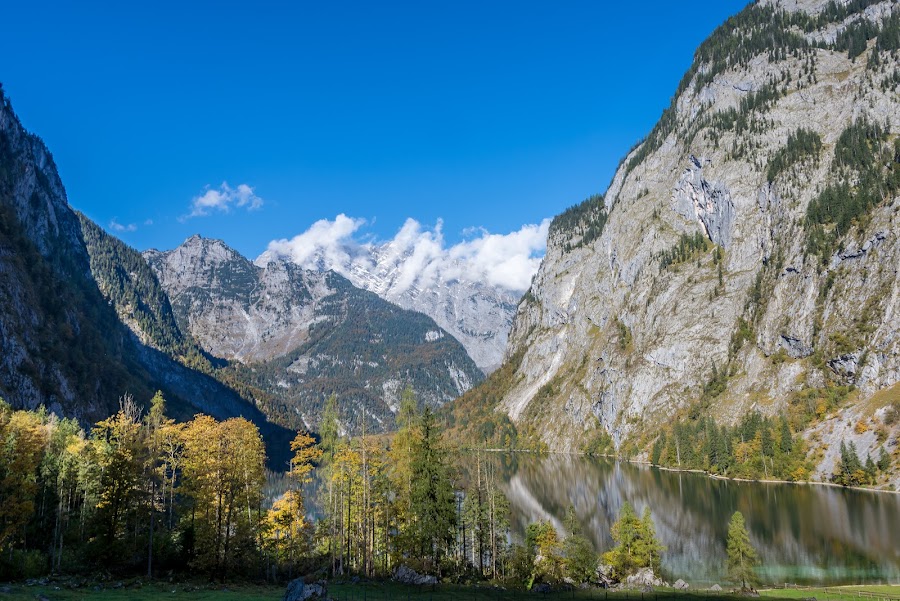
[
  {"x": 223, "y": 199},
  {"x": 419, "y": 256},
  {"x": 115, "y": 226}
]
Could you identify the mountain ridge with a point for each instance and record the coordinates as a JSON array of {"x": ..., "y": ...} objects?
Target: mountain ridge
[
  {"x": 474, "y": 312},
  {"x": 302, "y": 335},
  {"x": 63, "y": 345}
]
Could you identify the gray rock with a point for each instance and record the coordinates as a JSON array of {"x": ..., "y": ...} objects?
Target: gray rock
[
  {"x": 697, "y": 198},
  {"x": 681, "y": 585},
  {"x": 298, "y": 590},
  {"x": 795, "y": 347},
  {"x": 715, "y": 588},
  {"x": 407, "y": 575},
  {"x": 846, "y": 366},
  {"x": 642, "y": 578}
]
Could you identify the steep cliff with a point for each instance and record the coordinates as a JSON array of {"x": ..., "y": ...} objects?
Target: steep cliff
[
  {"x": 62, "y": 342},
  {"x": 303, "y": 335},
  {"x": 745, "y": 256}
]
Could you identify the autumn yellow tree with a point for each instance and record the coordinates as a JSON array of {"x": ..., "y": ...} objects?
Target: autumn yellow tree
[
  {"x": 223, "y": 472},
  {"x": 117, "y": 449},
  {"x": 288, "y": 532},
  {"x": 22, "y": 443}
]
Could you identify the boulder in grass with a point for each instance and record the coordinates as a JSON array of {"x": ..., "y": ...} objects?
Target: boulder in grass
[
  {"x": 643, "y": 577},
  {"x": 715, "y": 588},
  {"x": 298, "y": 590},
  {"x": 407, "y": 575},
  {"x": 681, "y": 585}
]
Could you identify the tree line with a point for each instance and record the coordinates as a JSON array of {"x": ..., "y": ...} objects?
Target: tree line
[{"x": 140, "y": 493}]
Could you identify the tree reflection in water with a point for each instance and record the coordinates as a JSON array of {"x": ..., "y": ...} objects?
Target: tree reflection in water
[{"x": 804, "y": 533}]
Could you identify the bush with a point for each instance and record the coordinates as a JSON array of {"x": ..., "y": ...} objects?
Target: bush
[{"x": 18, "y": 565}]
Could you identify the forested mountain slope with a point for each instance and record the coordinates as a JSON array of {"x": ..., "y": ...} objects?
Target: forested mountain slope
[
  {"x": 62, "y": 345},
  {"x": 744, "y": 260}
]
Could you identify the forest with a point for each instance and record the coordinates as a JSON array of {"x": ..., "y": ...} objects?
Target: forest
[{"x": 143, "y": 495}]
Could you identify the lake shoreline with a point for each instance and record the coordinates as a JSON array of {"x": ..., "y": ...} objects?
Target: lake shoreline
[{"x": 692, "y": 471}]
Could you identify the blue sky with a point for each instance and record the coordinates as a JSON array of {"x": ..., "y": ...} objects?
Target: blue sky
[{"x": 484, "y": 114}]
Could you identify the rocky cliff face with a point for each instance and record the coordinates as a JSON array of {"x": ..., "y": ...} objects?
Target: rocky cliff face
[
  {"x": 304, "y": 335},
  {"x": 746, "y": 253},
  {"x": 46, "y": 293},
  {"x": 62, "y": 344},
  {"x": 475, "y": 313}
]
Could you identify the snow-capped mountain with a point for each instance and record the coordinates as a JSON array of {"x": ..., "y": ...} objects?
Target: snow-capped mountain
[{"x": 471, "y": 289}]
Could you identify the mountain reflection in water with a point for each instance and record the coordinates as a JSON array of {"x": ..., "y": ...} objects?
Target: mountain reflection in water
[{"x": 804, "y": 533}]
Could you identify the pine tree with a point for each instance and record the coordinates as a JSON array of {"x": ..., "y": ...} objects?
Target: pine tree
[
  {"x": 884, "y": 460},
  {"x": 849, "y": 469},
  {"x": 580, "y": 561},
  {"x": 328, "y": 427},
  {"x": 741, "y": 555},
  {"x": 433, "y": 501},
  {"x": 787, "y": 441},
  {"x": 650, "y": 549}
]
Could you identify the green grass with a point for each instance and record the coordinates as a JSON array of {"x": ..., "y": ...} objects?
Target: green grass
[
  {"x": 146, "y": 592},
  {"x": 874, "y": 592},
  {"x": 389, "y": 591},
  {"x": 395, "y": 592}
]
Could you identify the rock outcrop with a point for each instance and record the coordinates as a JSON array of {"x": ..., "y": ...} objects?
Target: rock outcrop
[
  {"x": 407, "y": 575},
  {"x": 298, "y": 590}
]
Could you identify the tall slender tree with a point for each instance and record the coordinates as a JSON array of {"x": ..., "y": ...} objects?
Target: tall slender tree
[
  {"x": 432, "y": 499},
  {"x": 742, "y": 556}
]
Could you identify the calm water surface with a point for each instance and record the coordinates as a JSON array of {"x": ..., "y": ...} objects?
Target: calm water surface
[{"x": 804, "y": 533}]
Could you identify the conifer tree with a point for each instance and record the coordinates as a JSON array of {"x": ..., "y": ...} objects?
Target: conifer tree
[
  {"x": 742, "y": 556},
  {"x": 580, "y": 559},
  {"x": 432, "y": 501}
]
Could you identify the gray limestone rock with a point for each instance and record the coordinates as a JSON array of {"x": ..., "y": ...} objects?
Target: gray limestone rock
[
  {"x": 298, "y": 590},
  {"x": 702, "y": 178}
]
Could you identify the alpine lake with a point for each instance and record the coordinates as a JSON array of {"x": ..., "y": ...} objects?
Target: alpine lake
[{"x": 805, "y": 534}]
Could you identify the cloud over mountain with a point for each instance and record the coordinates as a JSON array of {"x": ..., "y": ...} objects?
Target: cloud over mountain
[
  {"x": 223, "y": 199},
  {"x": 419, "y": 255}
]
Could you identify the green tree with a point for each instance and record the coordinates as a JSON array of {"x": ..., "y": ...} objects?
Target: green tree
[
  {"x": 742, "y": 556},
  {"x": 433, "y": 501},
  {"x": 787, "y": 440},
  {"x": 849, "y": 469},
  {"x": 328, "y": 427},
  {"x": 580, "y": 561},
  {"x": 636, "y": 543},
  {"x": 542, "y": 541}
]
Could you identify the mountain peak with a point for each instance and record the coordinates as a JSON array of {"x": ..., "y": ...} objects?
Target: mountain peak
[{"x": 197, "y": 240}]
